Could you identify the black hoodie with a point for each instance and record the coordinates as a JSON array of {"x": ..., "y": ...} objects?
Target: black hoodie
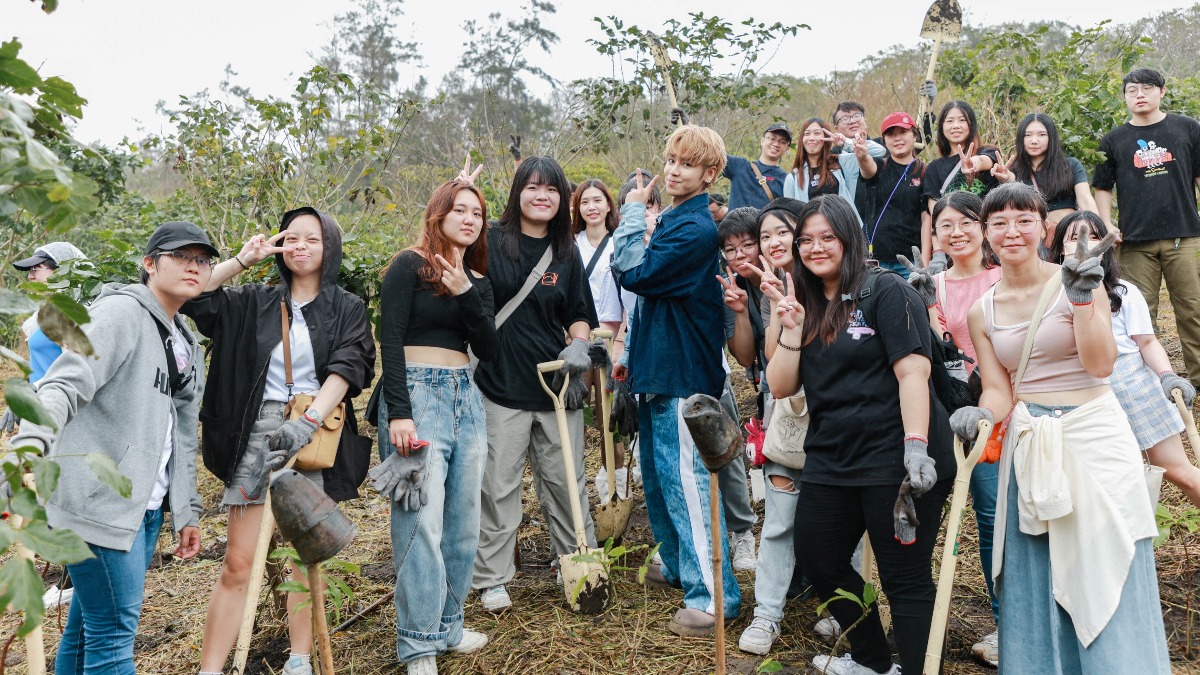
[{"x": 245, "y": 326}]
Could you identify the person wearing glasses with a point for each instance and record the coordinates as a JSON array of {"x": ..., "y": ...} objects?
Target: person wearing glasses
[
  {"x": 749, "y": 181},
  {"x": 246, "y": 433},
  {"x": 136, "y": 401}
]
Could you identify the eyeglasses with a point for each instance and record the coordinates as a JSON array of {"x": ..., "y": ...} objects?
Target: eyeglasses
[
  {"x": 202, "y": 260},
  {"x": 946, "y": 227},
  {"x": 778, "y": 140},
  {"x": 826, "y": 240},
  {"x": 1000, "y": 226},
  {"x": 1134, "y": 89},
  {"x": 852, "y": 117},
  {"x": 745, "y": 249}
]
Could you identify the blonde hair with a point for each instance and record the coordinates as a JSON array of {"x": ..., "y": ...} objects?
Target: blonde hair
[{"x": 697, "y": 145}]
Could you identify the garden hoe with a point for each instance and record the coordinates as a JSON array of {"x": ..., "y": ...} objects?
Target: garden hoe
[
  {"x": 585, "y": 583},
  {"x": 612, "y": 517},
  {"x": 943, "y": 25},
  {"x": 958, "y": 505},
  {"x": 718, "y": 440}
]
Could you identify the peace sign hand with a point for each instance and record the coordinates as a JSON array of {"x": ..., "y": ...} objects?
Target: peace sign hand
[
  {"x": 968, "y": 159},
  {"x": 454, "y": 277},
  {"x": 768, "y": 276},
  {"x": 832, "y": 137},
  {"x": 860, "y": 145},
  {"x": 640, "y": 193},
  {"x": 787, "y": 307},
  {"x": 1003, "y": 170},
  {"x": 468, "y": 176},
  {"x": 920, "y": 277},
  {"x": 735, "y": 298},
  {"x": 259, "y": 247},
  {"x": 1083, "y": 272}
]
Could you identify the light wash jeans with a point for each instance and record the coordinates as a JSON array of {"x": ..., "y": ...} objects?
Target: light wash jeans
[
  {"x": 103, "y": 618},
  {"x": 985, "y": 479},
  {"x": 777, "y": 550},
  {"x": 677, "y": 503},
  {"x": 434, "y": 547}
]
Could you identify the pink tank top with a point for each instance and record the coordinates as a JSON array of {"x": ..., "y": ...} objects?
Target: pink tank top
[
  {"x": 955, "y": 304},
  {"x": 1054, "y": 360}
]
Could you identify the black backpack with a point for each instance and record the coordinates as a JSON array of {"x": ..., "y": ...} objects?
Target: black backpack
[{"x": 953, "y": 392}]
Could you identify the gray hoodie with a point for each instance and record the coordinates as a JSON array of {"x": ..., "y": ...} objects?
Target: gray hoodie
[{"x": 118, "y": 404}]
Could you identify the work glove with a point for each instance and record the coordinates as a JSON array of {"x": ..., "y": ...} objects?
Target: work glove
[
  {"x": 922, "y": 473},
  {"x": 678, "y": 116},
  {"x": 402, "y": 479},
  {"x": 8, "y": 422},
  {"x": 623, "y": 418},
  {"x": 1083, "y": 272},
  {"x": 938, "y": 262},
  {"x": 965, "y": 422},
  {"x": 287, "y": 440},
  {"x": 514, "y": 148},
  {"x": 928, "y": 89},
  {"x": 904, "y": 515},
  {"x": 920, "y": 278},
  {"x": 1172, "y": 381},
  {"x": 576, "y": 358}
]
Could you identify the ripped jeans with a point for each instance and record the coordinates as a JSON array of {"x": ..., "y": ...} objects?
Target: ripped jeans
[{"x": 777, "y": 550}]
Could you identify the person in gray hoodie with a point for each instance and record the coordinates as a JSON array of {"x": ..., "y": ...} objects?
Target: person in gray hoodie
[{"x": 137, "y": 402}]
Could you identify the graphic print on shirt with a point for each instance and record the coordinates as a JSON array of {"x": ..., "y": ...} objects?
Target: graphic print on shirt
[
  {"x": 1152, "y": 158},
  {"x": 550, "y": 279},
  {"x": 858, "y": 326}
]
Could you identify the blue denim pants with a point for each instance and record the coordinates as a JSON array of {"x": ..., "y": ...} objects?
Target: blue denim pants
[
  {"x": 103, "y": 618},
  {"x": 777, "y": 550},
  {"x": 434, "y": 547},
  {"x": 984, "y": 481},
  {"x": 677, "y": 503}
]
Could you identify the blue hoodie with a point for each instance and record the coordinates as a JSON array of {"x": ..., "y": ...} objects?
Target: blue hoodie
[{"x": 680, "y": 332}]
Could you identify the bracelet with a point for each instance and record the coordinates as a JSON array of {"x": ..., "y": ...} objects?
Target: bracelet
[
  {"x": 790, "y": 348},
  {"x": 1083, "y": 304},
  {"x": 239, "y": 261},
  {"x": 916, "y": 437}
]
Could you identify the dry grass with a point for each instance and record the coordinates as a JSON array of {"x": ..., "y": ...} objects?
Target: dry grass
[{"x": 540, "y": 636}]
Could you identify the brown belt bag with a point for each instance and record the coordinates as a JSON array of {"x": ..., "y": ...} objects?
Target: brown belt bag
[{"x": 320, "y": 453}]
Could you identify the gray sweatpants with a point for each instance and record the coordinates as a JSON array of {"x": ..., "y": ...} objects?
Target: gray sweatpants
[
  {"x": 735, "y": 489},
  {"x": 513, "y": 437}
]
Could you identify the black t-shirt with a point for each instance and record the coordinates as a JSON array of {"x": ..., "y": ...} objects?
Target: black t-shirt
[
  {"x": 855, "y": 433},
  {"x": 535, "y": 332},
  {"x": 940, "y": 169},
  {"x": 892, "y": 227},
  {"x": 815, "y": 189},
  {"x": 1154, "y": 169},
  {"x": 1066, "y": 198}
]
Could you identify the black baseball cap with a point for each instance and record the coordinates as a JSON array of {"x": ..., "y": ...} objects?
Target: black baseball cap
[
  {"x": 177, "y": 234},
  {"x": 781, "y": 129},
  {"x": 716, "y": 198}
]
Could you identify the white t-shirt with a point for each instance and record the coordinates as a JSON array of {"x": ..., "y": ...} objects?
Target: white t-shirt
[
  {"x": 183, "y": 359},
  {"x": 304, "y": 368},
  {"x": 1133, "y": 319},
  {"x": 604, "y": 287}
]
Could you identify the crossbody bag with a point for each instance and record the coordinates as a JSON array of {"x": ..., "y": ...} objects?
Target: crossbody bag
[{"x": 321, "y": 451}]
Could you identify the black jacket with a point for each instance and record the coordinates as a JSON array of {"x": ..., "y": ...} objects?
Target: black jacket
[{"x": 245, "y": 327}]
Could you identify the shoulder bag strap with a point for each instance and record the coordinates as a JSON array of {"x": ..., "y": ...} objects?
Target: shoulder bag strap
[
  {"x": 587, "y": 272},
  {"x": 287, "y": 346},
  {"x": 949, "y": 179},
  {"x": 762, "y": 182},
  {"x": 941, "y": 292},
  {"x": 1048, "y": 293},
  {"x": 535, "y": 275}
]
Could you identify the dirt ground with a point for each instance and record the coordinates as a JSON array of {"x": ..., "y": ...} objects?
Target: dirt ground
[{"x": 540, "y": 636}]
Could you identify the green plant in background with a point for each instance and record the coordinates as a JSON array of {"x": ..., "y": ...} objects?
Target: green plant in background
[
  {"x": 609, "y": 558},
  {"x": 866, "y": 604},
  {"x": 769, "y": 665},
  {"x": 338, "y": 594},
  {"x": 1169, "y": 522}
]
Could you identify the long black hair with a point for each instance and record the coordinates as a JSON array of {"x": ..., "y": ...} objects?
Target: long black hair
[
  {"x": 822, "y": 318},
  {"x": 968, "y": 112},
  {"x": 1112, "y": 269},
  {"x": 1054, "y": 177},
  {"x": 970, "y": 205},
  {"x": 538, "y": 171}
]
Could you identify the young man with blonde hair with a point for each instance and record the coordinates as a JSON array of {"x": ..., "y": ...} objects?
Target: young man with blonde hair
[{"x": 677, "y": 352}]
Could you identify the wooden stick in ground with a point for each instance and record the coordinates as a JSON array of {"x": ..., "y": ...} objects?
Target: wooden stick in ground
[
  {"x": 361, "y": 615},
  {"x": 35, "y": 647},
  {"x": 1189, "y": 421},
  {"x": 316, "y": 587},
  {"x": 714, "y": 510}
]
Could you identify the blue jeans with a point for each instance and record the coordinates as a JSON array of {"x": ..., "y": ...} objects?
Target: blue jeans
[
  {"x": 777, "y": 550},
  {"x": 984, "y": 480},
  {"x": 103, "y": 618},
  {"x": 677, "y": 503},
  {"x": 895, "y": 266},
  {"x": 434, "y": 547}
]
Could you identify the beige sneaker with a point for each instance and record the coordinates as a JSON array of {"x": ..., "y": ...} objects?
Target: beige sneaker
[{"x": 689, "y": 622}]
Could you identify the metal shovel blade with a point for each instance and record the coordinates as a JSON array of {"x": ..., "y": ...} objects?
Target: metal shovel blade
[
  {"x": 944, "y": 19},
  {"x": 588, "y": 579},
  {"x": 612, "y": 517}
]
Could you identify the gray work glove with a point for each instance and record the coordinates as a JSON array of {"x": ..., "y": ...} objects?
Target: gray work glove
[
  {"x": 920, "y": 278},
  {"x": 514, "y": 148},
  {"x": 938, "y": 262},
  {"x": 928, "y": 89},
  {"x": 9, "y": 422},
  {"x": 965, "y": 422},
  {"x": 577, "y": 360},
  {"x": 1083, "y": 272},
  {"x": 678, "y": 116},
  {"x": 402, "y": 479},
  {"x": 922, "y": 472},
  {"x": 623, "y": 418},
  {"x": 1172, "y": 381},
  {"x": 904, "y": 515},
  {"x": 287, "y": 440}
]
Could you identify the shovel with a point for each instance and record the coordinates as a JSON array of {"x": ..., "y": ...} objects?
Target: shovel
[
  {"x": 664, "y": 66},
  {"x": 585, "y": 582},
  {"x": 1189, "y": 422},
  {"x": 943, "y": 25},
  {"x": 945, "y": 588},
  {"x": 612, "y": 517}
]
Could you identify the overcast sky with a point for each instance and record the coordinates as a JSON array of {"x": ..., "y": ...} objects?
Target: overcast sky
[{"x": 126, "y": 55}]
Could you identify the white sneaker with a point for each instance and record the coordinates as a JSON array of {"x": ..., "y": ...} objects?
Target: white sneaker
[
  {"x": 845, "y": 665},
  {"x": 656, "y": 560},
  {"x": 472, "y": 641},
  {"x": 495, "y": 599},
  {"x": 423, "y": 665},
  {"x": 741, "y": 544},
  {"x": 988, "y": 649},
  {"x": 759, "y": 636},
  {"x": 298, "y": 666},
  {"x": 601, "y": 483},
  {"x": 54, "y": 596},
  {"x": 828, "y": 628},
  {"x": 622, "y": 482}
]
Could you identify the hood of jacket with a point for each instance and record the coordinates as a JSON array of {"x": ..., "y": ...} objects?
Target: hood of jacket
[{"x": 331, "y": 246}]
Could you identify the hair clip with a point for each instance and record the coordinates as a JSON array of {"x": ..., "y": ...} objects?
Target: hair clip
[{"x": 846, "y": 297}]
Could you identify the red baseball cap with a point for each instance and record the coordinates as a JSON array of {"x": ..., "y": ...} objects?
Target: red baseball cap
[{"x": 898, "y": 119}]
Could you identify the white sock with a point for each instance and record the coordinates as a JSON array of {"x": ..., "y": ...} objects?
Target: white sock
[{"x": 307, "y": 658}]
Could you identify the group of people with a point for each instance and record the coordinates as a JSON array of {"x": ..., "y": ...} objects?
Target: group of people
[{"x": 840, "y": 281}]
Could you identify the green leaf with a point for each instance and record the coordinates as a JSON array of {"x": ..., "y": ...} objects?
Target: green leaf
[
  {"x": 285, "y": 552},
  {"x": 45, "y": 476},
  {"x": 16, "y": 303},
  {"x": 61, "y": 329},
  {"x": 869, "y": 594},
  {"x": 109, "y": 474},
  {"x": 25, "y": 504},
  {"x": 16, "y": 74},
  {"x": 769, "y": 666},
  {"x": 49, "y": 6},
  {"x": 21, "y": 590},
  {"x": 7, "y": 535},
  {"x": 69, "y": 306},
  {"x": 19, "y": 395},
  {"x": 16, "y": 358},
  {"x": 292, "y": 587},
  {"x": 341, "y": 566},
  {"x": 61, "y": 547},
  {"x": 59, "y": 193}
]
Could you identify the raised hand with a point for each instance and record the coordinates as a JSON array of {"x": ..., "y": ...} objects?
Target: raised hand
[
  {"x": 928, "y": 90},
  {"x": 920, "y": 277},
  {"x": 454, "y": 277},
  {"x": 836, "y": 138},
  {"x": 468, "y": 176},
  {"x": 968, "y": 159},
  {"x": 1083, "y": 272},
  {"x": 768, "y": 276},
  {"x": 1003, "y": 170},
  {"x": 641, "y": 193},
  {"x": 735, "y": 298},
  {"x": 259, "y": 247},
  {"x": 860, "y": 145},
  {"x": 678, "y": 116},
  {"x": 514, "y": 148},
  {"x": 789, "y": 309}
]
